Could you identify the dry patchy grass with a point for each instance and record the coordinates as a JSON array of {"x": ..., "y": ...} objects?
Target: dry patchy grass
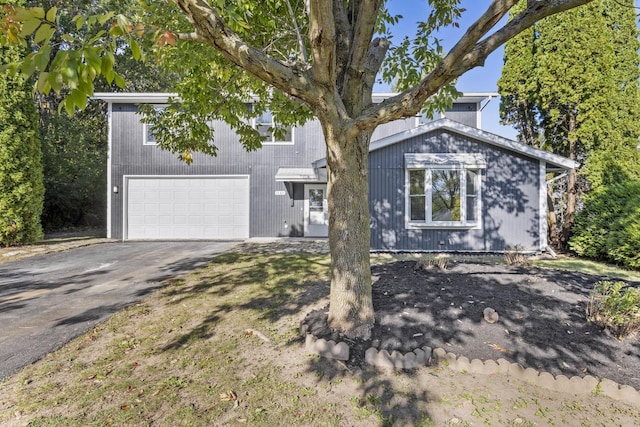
[{"x": 220, "y": 347}]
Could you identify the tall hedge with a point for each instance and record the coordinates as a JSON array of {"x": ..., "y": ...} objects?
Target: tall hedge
[
  {"x": 21, "y": 180},
  {"x": 608, "y": 226}
]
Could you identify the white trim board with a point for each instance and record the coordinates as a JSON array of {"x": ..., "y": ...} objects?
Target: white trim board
[{"x": 480, "y": 135}]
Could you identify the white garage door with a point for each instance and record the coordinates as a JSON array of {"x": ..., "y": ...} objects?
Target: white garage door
[{"x": 187, "y": 208}]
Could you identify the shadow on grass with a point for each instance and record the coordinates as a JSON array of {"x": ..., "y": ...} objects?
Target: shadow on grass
[{"x": 542, "y": 320}]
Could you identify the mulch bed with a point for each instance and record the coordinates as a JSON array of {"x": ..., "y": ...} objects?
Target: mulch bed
[{"x": 542, "y": 322}]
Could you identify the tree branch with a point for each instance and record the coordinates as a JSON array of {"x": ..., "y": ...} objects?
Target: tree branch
[
  {"x": 194, "y": 37},
  {"x": 466, "y": 54},
  {"x": 303, "y": 49},
  {"x": 360, "y": 49},
  {"x": 344, "y": 35},
  {"x": 211, "y": 30},
  {"x": 322, "y": 33}
]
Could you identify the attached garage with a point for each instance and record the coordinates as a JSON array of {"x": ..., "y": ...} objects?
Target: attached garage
[{"x": 186, "y": 208}]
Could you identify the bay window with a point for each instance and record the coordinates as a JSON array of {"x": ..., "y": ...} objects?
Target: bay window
[{"x": 443, "y": 190}]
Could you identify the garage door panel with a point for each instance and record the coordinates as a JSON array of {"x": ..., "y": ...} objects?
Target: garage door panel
[{"x": 187, "y": 208}]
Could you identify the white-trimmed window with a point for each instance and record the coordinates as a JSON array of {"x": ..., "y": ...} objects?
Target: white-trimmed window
[
  {"x": 148, "y": 138},
  {"x": 443, "y": 190},
  {"x": 265, "y": 123}
]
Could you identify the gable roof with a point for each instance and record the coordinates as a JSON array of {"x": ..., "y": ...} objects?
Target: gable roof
[{"x": 559, "y": 162}]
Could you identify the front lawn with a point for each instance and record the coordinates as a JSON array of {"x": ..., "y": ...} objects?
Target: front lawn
[{"x": 221, "y": 347}]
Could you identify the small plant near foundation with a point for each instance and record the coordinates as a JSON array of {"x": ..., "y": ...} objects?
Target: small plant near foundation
[
  {"x": 615, "y": 306},
  {"x": 427, "y": 262},
  {"x": 515, "y": 256}
]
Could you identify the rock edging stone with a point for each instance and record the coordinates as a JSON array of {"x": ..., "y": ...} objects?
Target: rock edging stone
[
  {"x": 426, "y": 356},
  {"x": 328, "y": 349},
  {"x": 561, "y": 383}
]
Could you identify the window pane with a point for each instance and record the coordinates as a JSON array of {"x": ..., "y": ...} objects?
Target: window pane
[
  {"x": 472, "y": 180},
  {"x": 445, "y": 197},
  {"x": 265, "y": 132},
  {"x": 416, "y": 182},
  {"x": 265, "y": 118},
  {"x": 284, "y": 135},
  {"x": 151, "y": 138},
  {"x": 418, "y": 208},
  {"x": 472, "y": 195},
  {"x": 316, "y": 206}
]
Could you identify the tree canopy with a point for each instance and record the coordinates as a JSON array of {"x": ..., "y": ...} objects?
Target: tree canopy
[
  {"x": 295, "y": 58},
  {"x": 570, "y": 85}
]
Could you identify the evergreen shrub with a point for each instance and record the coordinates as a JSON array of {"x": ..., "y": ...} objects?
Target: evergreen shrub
[
  {"x": 608, "y": 226},
  {"x": 21, "y": 180}
]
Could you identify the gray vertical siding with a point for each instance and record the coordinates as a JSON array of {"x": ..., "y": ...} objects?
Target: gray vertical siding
[
  {"x": 510, "y": 198},
  {"x": 270, "y": 215},
  {"x": 509, "y": 183},
  {"x": 463, "y": 112}
]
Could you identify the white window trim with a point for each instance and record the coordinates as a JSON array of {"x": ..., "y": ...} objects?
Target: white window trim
[
  {"x": 274, "y": 141},
  {"x": 444, "y": 161},
  {"x": 145, "y": 129}
]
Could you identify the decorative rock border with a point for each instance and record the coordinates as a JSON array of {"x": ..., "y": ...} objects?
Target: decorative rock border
[
  {"x": 327, "y": 349},
  {"x": 426, "y": 356}
]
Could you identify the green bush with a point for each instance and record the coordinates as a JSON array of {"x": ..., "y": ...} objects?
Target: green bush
[
  {"x": 616, "y": 307},
  {"x": 623, "y": 241},
  {"x": 21, "y": 187},
  {"x": 608, "y": 225}
]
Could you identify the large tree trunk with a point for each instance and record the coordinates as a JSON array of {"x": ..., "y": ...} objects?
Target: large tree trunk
[{"x": 351, "y": 306}]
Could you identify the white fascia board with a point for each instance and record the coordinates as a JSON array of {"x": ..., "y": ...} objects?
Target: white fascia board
[
  {"x": 465, "y": 97},
  {"x": 478, "y": 134},
  {"x": 134, "y": 98},
  {"x": 487, "y": 137},
  {"x": 160, "y": 97}
]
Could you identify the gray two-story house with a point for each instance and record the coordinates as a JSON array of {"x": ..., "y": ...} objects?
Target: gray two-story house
[{"x": 435, "y": 185}]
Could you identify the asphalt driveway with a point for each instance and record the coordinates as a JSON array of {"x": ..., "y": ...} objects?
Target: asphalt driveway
[{"x": 48, "y": 300}]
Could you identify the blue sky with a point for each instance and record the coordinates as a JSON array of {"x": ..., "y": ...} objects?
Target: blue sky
[{"x": 480, "y": 79}]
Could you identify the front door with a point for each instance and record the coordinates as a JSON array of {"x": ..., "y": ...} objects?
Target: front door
[{"x": 316, "y": 214}]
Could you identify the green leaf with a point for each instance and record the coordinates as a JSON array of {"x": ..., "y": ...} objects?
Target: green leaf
[
  {"x": 135, "y": 50},
  {"x": 69, "y": 106},
  {"x": 56, "y": 81},
  {"x": 28, "y": 67},
  {"x": 51, "y": 14},
  {"x": 78, "y": 98},
  {"x": 29, "y": 27},
  {"x": 104, "y": 18},
  {"x": 23, "y": 14},
  {"x": 107, "y": 63},
  {"x": 38, "y": 12},
  {"x": 43, "y": 85},
  {"x": 79, "y": 20},
  {"x": 109, "y": 75},
  {"x": 41, "y": 58},
  {"x": 120, "y": 81},
  {"x": 44, "y": 33},
  {"x": 92, "y": 56}
]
